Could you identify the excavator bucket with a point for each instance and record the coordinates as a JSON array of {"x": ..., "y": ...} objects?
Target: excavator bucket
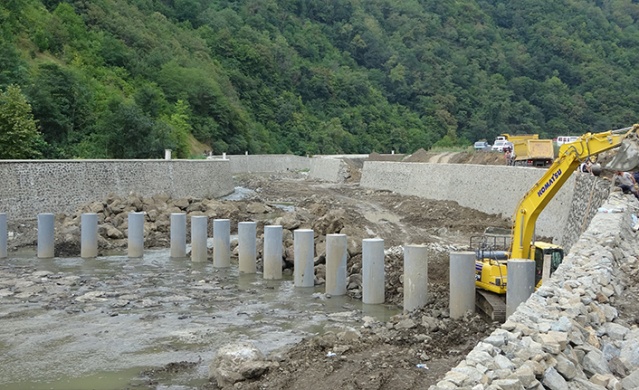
[{"x": 627, "y": 157}]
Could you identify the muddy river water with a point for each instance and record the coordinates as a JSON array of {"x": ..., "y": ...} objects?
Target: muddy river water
[{"x": 72, "y": 323}]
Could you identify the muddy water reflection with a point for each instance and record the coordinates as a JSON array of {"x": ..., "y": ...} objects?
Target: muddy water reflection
[{"x": 71, "y": 323}]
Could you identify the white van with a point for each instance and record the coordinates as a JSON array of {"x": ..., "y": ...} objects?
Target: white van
[
  {"x": 499, "y": 144},
  {"x": 565, "y": 139}
]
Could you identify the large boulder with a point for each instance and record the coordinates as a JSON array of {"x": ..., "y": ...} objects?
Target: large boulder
[
  {"x": 332, "y": 222},
  {"x": 237, "y": 362}
]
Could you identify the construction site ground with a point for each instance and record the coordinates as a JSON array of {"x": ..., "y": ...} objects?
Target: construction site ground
[{"x": 412, "y": 350}]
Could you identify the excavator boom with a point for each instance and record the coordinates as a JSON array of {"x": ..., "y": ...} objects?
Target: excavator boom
[
  {"x": 491, "y": 264},
  {"x": 570, "y": 156}
]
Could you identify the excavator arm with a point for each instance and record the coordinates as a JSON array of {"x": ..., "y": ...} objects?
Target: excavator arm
[{"x": 570, "y": 156}]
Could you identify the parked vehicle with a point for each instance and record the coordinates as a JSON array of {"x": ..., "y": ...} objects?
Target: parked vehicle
[
  {"x": 498, "y": 146},
  {"x": 518, "y": 137},
  {"x": 481, "y": 146},
  {"x": 534, "y": 153}
]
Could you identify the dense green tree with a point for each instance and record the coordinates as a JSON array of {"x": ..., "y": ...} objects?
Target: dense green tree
[
  {"x": 19, "y": 136},
  {"x": 62, "y": 104},
  {"x": 132, "y": 134},
  {"x": 180, "y": 129},
  {"x": 13, "y": 69},
  {"x": 128, "y": 78}
]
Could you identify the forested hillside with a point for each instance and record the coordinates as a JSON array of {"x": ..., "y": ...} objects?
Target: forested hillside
[{"x": 129, "y": 78}]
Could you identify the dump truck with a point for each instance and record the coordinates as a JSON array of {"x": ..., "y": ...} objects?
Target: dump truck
[
  {"x": 505, "y": 140},
  {"x": 533, "y": 152},
  {"x": 517, "y": 137},
  {"x": 493, "y": 250}
]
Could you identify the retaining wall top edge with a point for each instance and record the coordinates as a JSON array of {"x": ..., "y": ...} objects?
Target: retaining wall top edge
[
  {"x": 108, "y": 161},
  {"x": 263, "y": 155}
]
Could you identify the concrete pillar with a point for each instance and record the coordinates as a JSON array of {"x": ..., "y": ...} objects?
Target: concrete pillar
[
  {"x": 415, "y": 276},
  {"x": 521, "y": 283},
  {"x": 462, "y": 283},
  {"x": 304, "y": 253},
  {"x": 199, "y": 234},
  {"x": 221, "y": 243},
  {"x": 336, "y": 251},
  {"x": 272, "y": 252},
  {"x": 167, "y": 154},
  {"x": 247, "y": 247},
  {"x": 136, "y": 234},
  {"x": 3, "y": 235},
  {"x": 373, "y": 279},
  {"x": 46, "y": 235},
  {"x": 89, "y": 235},
  {"x": 178, "y": 235}
]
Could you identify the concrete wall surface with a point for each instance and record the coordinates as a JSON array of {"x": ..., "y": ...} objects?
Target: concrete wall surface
[
  {"x": 492, "y": 189},
  {"x": 30, "y": 187},
  {"x": 260, "y": 163},
  {"x": 328, "y": 169}
]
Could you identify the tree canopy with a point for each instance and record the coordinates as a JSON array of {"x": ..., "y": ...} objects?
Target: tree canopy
[
  {"x": 129, "y": 78},
  {"x": 19, "y": 136}
]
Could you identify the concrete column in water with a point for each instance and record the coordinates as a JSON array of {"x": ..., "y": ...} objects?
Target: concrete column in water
[
  {"x": 199, "y": 234},
  {"x": 521, "y": 283},
  {"x": 373, "y": 279},
  {"x": 178, "y": 235},
  {"x": 46, "y": 235},
  {"x": 336, "y": 252},
  {"x": 3, "y": 235},
  {"x": 89, "y": 235},
  {"x": 304, "y": 253},
  {"x": 136, "y": 234},
  {"x": 247, "y": 247},
  {"x": 221, "y": 243},
  {"x": 462, "y": 283},
  {"x": 272, "y": 252},
  {"x": 415, "y": 276}
]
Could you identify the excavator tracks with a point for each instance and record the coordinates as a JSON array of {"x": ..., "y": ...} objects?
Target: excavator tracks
[{"x": 491, "y": 305}]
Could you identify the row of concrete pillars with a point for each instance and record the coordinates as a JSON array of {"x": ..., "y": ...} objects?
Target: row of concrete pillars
[{"x": 462, "y": 264}]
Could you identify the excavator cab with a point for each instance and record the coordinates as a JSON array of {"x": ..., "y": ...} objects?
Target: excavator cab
[
  {"x": 554, "y": 255},
  {"x": 491, "y": 258}
]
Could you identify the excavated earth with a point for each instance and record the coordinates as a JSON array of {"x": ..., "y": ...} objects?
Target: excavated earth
[{"x": 412, "y": 350}]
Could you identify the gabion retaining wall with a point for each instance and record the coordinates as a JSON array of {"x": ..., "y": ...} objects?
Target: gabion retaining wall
[
  {"x": 260, "y": 163},
  {"x": 493, "y": 189},
  {"x": 328, "y": 169},
  {"x": 36, "y": 186},
  {"x": 325, "y": 168}
]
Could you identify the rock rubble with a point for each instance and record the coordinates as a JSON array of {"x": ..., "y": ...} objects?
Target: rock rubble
[{"x": 578, "y": 331}]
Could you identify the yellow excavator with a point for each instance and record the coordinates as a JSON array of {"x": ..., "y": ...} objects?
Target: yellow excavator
[{"x": 494, "y": 249}]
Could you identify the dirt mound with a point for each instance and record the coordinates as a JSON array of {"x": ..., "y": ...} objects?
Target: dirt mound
[
  {"x": 479, "y": 158},
  {"x": 419, "y": 156}
]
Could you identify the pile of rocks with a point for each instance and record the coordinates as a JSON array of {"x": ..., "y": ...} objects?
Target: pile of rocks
[
  {"x": 112, "y": 214},
  {"x": 579, "y": 331}
]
